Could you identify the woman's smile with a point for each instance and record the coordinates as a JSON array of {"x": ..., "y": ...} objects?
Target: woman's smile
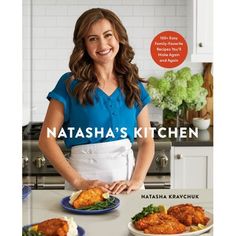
[
  {"x": 101, "y": 43},
  {"x": 104, "y": 52}
]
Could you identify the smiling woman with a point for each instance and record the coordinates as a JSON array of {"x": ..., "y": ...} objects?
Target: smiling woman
[
  {"x": 103, "y": 91},
  {"x": 101, "y": 43}
]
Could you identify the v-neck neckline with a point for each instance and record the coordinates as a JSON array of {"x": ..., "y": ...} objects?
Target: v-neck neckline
[{"x": 107, "y": 95}]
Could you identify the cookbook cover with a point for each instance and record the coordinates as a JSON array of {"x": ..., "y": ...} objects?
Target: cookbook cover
[{"x": 117, "y": 132}]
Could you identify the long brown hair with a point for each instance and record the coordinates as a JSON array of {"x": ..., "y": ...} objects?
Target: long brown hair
[{"x": 82, "y": 67}]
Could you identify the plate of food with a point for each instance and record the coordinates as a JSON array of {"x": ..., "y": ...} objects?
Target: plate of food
[
  {"x": 178, "y": 220},
  {"x": 91, "y": 201},
  {"x": 26, "y": 190},
  {"x": 54, "y": 226}
]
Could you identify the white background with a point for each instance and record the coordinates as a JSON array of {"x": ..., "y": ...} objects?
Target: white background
[{"x": 11, "y": 113}]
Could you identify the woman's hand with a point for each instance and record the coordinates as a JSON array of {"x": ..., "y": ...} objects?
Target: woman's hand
[
  {"x": 122, "y": 185},
  {"x": 84, "y": 184}
]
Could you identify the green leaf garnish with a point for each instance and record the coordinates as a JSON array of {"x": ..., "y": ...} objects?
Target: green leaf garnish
[
  {"x": 146, "y": 211},
  {"x": 110, "y": 202}
]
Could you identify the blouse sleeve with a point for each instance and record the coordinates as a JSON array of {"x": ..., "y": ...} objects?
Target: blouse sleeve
[
  {"x": 60, "y": 94},
  {"x": 145, "y": 99}
]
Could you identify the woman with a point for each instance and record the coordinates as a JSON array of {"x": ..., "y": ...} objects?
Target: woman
[{"x": 103, "y": 91}]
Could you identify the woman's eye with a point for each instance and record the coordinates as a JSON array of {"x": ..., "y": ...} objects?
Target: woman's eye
[
  {"x": 108, "y": 35},
  {"x": 92, "y": 39}
]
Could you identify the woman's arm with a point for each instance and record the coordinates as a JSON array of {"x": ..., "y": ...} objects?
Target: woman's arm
[
  {"x": 48, "y": 145},
  {"x": 145, "y": 150},
  {"x": 143, "y": 160}
]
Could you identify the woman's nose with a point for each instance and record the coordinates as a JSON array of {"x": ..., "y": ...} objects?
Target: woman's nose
[{"x": 102, "y": 43}]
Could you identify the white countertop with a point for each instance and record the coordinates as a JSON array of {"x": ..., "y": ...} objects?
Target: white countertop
[{"x": 44, "y": 204}]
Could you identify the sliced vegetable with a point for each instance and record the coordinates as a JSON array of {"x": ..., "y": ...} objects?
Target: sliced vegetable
[
  {"x": 197, "y": 227},
  {"x": 200, "y": 226},
  {"x": 193, "y": 228}
]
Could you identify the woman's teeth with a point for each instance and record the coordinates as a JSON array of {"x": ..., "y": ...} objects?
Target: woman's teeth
[{"x": 104, "y": 52}]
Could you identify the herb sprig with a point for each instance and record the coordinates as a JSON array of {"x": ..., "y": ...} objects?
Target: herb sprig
[
  {"x": 146, "y": 211},
  {"x": 31, "y": 233}
]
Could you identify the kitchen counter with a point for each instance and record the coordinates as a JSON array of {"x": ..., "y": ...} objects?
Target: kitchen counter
[
  {"x": 45, "y": 204},
  {"x": 205, "y": 138}
]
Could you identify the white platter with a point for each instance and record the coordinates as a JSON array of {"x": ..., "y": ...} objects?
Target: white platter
[{"x": 209, "y": 225}]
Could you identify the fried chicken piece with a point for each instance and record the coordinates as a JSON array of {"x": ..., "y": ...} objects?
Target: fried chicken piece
[
  {"x": 53, "y": 227},
  {"x": 88, "y": 197},
  {"x": 159, "y": 223},
  {"x": 188, "y": 214}
]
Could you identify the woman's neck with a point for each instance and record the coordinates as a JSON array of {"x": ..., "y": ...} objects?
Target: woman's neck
[{"x": 104, "y": 72}]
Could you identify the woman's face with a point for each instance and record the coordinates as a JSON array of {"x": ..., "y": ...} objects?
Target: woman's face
[{"x": 101, "y": 43}]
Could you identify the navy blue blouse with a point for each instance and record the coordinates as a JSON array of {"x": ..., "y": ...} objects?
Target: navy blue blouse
[{"x": 109, "y": 119}]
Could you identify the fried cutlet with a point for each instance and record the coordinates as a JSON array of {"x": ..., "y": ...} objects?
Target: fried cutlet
[
  {"x": 88, "y": 197},
  {"x": 159, "y": 223},
  {"x": 53, "y": 227},
  {"x": 188, "y": 214}
]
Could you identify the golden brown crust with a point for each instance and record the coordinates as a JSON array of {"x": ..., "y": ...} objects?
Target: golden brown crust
[
  {"x": 53, "y": 227},
  {"x": 160, "y": 223},
  {"x": 89, "y": 197},
  {"x": 188, "y": 214}
]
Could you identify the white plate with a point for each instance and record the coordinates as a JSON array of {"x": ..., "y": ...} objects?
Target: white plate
[{"x": 187, "y": 233}]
